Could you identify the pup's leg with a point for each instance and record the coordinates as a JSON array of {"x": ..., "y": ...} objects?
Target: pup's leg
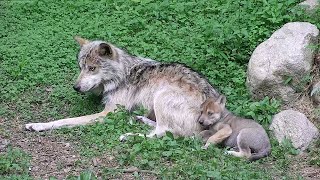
[
  {"x": 223, "y": 133},
  {"x": 205, "y": 135},
  {"x": 242, "y": 153},
  {"x": 69, "y": 122},
  {"x": 244, "y": 149}
]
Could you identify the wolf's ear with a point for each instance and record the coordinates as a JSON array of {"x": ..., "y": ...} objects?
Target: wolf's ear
[
  {"x": 105, "y": 50},
  {"x": 222, "y": 101},
  {"x": 81, "y": 41}
]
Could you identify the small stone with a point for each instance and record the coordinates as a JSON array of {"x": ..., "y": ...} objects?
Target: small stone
[{"x": 294, "y": 126}]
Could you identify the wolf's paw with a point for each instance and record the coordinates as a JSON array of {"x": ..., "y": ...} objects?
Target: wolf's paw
[
  {"x": 229, "y": 152},
  {"x": 140, "y": 118},
  {"x": 36, "y": 127},
  {"x": 124, "y": 137},
  {"x": 146, "y": 120}
]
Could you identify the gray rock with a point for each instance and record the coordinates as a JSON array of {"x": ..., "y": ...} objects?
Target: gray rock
[
  {"x": 294, "y": 126},
  {"x": 310, "y": 4},
  {"x": 286, "y": 54},
  {"x": 315, "y": 93}
]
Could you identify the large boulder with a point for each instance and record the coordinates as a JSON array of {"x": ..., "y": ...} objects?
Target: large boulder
[
  {"x": 294, "y": 126},
  {"x": 277, "y": 65}
]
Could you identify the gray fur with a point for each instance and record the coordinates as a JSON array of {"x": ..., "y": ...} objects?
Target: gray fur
[
  {"x": 223, "y": 127},
  {"x": 171, "y": 92}
]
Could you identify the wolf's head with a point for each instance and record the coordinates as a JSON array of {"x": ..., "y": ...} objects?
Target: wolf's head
[
  {"x": 211, "y": 111},
  {"x": 99, "y": 65}
]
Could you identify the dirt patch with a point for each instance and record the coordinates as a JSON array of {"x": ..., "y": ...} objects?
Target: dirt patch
[
  {"x": 51, "y": 155},
  {"x": 108, "y": 162},
  {"x": 56, "y": 156},
  {"x": 306, "y": 170}
]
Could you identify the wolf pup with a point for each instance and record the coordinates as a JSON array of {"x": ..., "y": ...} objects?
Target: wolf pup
[
  {"x": 245, "y": 135},
  {"x": 172, "y": 92}
]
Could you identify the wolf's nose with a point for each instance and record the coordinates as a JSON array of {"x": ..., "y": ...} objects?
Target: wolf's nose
[
  {"x": 77, "y": 88},
  {"x": 201, "y": 122}
]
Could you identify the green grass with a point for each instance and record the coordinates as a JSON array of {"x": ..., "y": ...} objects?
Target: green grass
[
  {"x": 315, "y": 160},
  {"x": 14, "y": 164},
  {"x": 172, "y": 157},
  {"x": 216, "y": 38}
]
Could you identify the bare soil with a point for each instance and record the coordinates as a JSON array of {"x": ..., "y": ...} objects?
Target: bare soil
[{"x": 56, "y": 156}]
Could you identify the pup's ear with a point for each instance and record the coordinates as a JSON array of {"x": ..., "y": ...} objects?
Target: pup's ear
[
  {"x": 105, "y": 50},
  {"x": 207, "y": 102},
  {"x": 222, "y": 101},
  {"x": 81, "y": 41}
]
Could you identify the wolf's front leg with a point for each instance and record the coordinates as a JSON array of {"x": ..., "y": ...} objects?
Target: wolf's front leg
[{"x": 69, "y": 122}]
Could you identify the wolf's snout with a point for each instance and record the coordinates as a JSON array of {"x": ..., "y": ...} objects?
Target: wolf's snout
[{"x": 76, "y": 88}]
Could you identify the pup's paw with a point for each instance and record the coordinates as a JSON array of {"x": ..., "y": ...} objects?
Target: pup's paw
[
  {"x": 205, "y": 146},
  {"x": 37, "y": 127}
]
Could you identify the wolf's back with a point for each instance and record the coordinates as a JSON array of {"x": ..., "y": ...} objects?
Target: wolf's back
[{"x": 142, "y": 72}]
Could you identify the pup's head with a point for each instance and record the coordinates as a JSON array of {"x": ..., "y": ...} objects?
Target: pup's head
[
  {"x": 98, "y": 62},
  {"x": 211, "y": 111}
]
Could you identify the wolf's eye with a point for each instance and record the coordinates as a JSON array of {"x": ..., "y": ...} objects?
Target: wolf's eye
[
  {"x": 91, "y": 68},
  {"x": 210, "y": 113}
]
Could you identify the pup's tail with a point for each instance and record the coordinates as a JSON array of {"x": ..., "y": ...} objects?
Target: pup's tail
[{"x": 263, "y": 153}]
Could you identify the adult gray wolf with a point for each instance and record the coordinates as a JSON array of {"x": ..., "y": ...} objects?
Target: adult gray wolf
[
  {"x": 246, "y": 135},
  {"x": 172, "y": 92}
]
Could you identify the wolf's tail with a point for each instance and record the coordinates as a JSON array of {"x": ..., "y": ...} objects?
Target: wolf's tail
[{"x": 263, "y": 153}]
